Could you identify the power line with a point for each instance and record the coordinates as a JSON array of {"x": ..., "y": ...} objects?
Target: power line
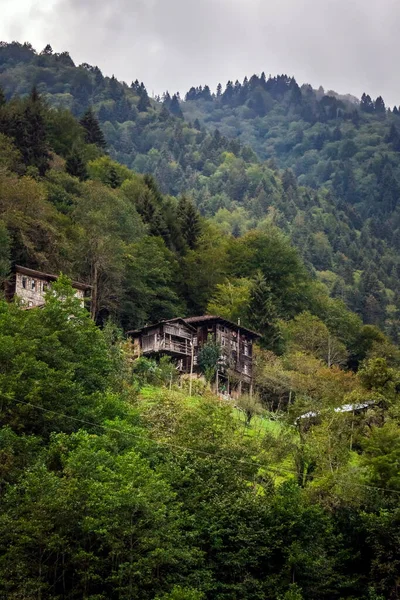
[{"x": 279, "y": 470}]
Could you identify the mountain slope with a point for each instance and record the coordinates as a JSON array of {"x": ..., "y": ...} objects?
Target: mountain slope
[{"x": 344, "y": 220}]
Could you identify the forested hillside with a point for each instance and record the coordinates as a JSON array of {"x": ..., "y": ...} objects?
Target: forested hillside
[
  {"x": 331, "y": 180},
  {"x": 115, "y": 483}
]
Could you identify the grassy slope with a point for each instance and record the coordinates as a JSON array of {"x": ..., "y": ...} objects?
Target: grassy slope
[{"x": 263, "y": 430}]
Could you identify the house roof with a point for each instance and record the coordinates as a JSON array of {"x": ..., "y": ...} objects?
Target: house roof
[
  {"x": 49, "y": 277},
  {"x": 147, "y": 327},
  {"x": 215, "y": 318}
]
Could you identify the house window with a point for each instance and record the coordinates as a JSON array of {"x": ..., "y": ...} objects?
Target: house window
[
  {"x": 246, "y": 350},
  {"x": 24, "y": 283},
  {"x": 33, "y": 284},
  {"x": 245, "y": 369},
  {"x": 44, "y": 286}
]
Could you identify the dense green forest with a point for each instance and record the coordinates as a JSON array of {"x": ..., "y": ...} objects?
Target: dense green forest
[
  {"x": 114, "y": 482},
  {"x": 322, "y": 168}
]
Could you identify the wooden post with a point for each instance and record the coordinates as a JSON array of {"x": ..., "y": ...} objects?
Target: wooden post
[
  {"x": 94, "y": 301},
  {"x": 191, "y": 368}
]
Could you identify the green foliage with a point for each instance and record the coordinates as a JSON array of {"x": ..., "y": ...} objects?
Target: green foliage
[
  {"x": 180, "y": 593},
  {"x": 250, "y": 406},
  {"x": 208, "y": 358},
  {"x": 4, "y": 253},
  {"x": 340, "y": 213},
  {"x": 108, "y": 492},
  {"x": 231, "y": 300},
  {"x": 147, "y": 371},
  {"x": 93, "y": 133},
  {"x": 381, "y": 456},
  {"x": 54, "y": 359},
  {"x": 108, "y": 172}
]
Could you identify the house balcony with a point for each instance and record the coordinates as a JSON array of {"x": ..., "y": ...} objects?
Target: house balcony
[{"x": 180, "y": 348}]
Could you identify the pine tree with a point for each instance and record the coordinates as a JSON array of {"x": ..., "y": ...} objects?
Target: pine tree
[
  {"x": 144, "y": 102},
  {"x": 164, "y": 113},
  {"x": 135, "y": 86},
  {"x": 166, "y": 99},
  {"x": 189, "y": 220},
  {"x": 31, "y": 134},
  {"x": 47, "y": 51},
  {"x": 174, "y": 107},
  {"x": 75, "y": 165},
  {"x": 93, "y": 133},
  {"x": 366, "y": 104},
  {"x": 393, "y": 137},
  {"x": 262, "y": 311},
  {"x": 2, "y": 97},
  {"x": 379, "y": 106},
  {"x": 113, "y": 178},
  {"x": 98, "y": 77},
  {"x": 115, "y": 88}
]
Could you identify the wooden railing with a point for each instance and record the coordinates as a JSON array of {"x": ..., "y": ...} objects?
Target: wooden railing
[{"x": 152, "y": 345}]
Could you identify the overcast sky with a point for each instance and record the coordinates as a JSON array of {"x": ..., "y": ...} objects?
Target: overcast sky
[{"x": 350, "y": 46}]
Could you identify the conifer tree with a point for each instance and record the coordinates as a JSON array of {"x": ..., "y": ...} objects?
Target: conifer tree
[
  {"x": 174, "y": 107},
  {"x": 75, "y": 165},
  {"x": 32, "y": 135},
  {"x": 394, "y": 137},
  {"x": 262, "y": 311},
  {"x": 379, "y": 105},
  {"x": 189, "y": 220},
  {"x": 98, "y": 78},
  {"x": 144, "y": 102},
  {"x": 115, "y": 88},
  {"x": 94, "y": 134},
  {"x": 366, "y": 104},
  {"x": 47, "y": 50}
]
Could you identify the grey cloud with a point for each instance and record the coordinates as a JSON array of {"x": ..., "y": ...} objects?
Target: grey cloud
[{"x": 349, "y": 46}]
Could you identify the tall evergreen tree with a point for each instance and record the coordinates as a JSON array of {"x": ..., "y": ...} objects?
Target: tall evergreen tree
[
  {"x": 144, "y": 101},
  {"x": 379, "y": 105},
  {"x": 75, "y": 165},
  {"x": 31, "y": 134},
  {"x": 174, "y": 107},
  {"x": 93, "y": 132},
  {"x": 189, "y": 220}
]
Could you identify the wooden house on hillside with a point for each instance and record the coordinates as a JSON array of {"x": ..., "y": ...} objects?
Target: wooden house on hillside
[
  {"x": 30, "y": 286},
  {"x": 173, "y": 338},
  {"x": 236, "y": 342},
  {"x": 182, "y": 339}
]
